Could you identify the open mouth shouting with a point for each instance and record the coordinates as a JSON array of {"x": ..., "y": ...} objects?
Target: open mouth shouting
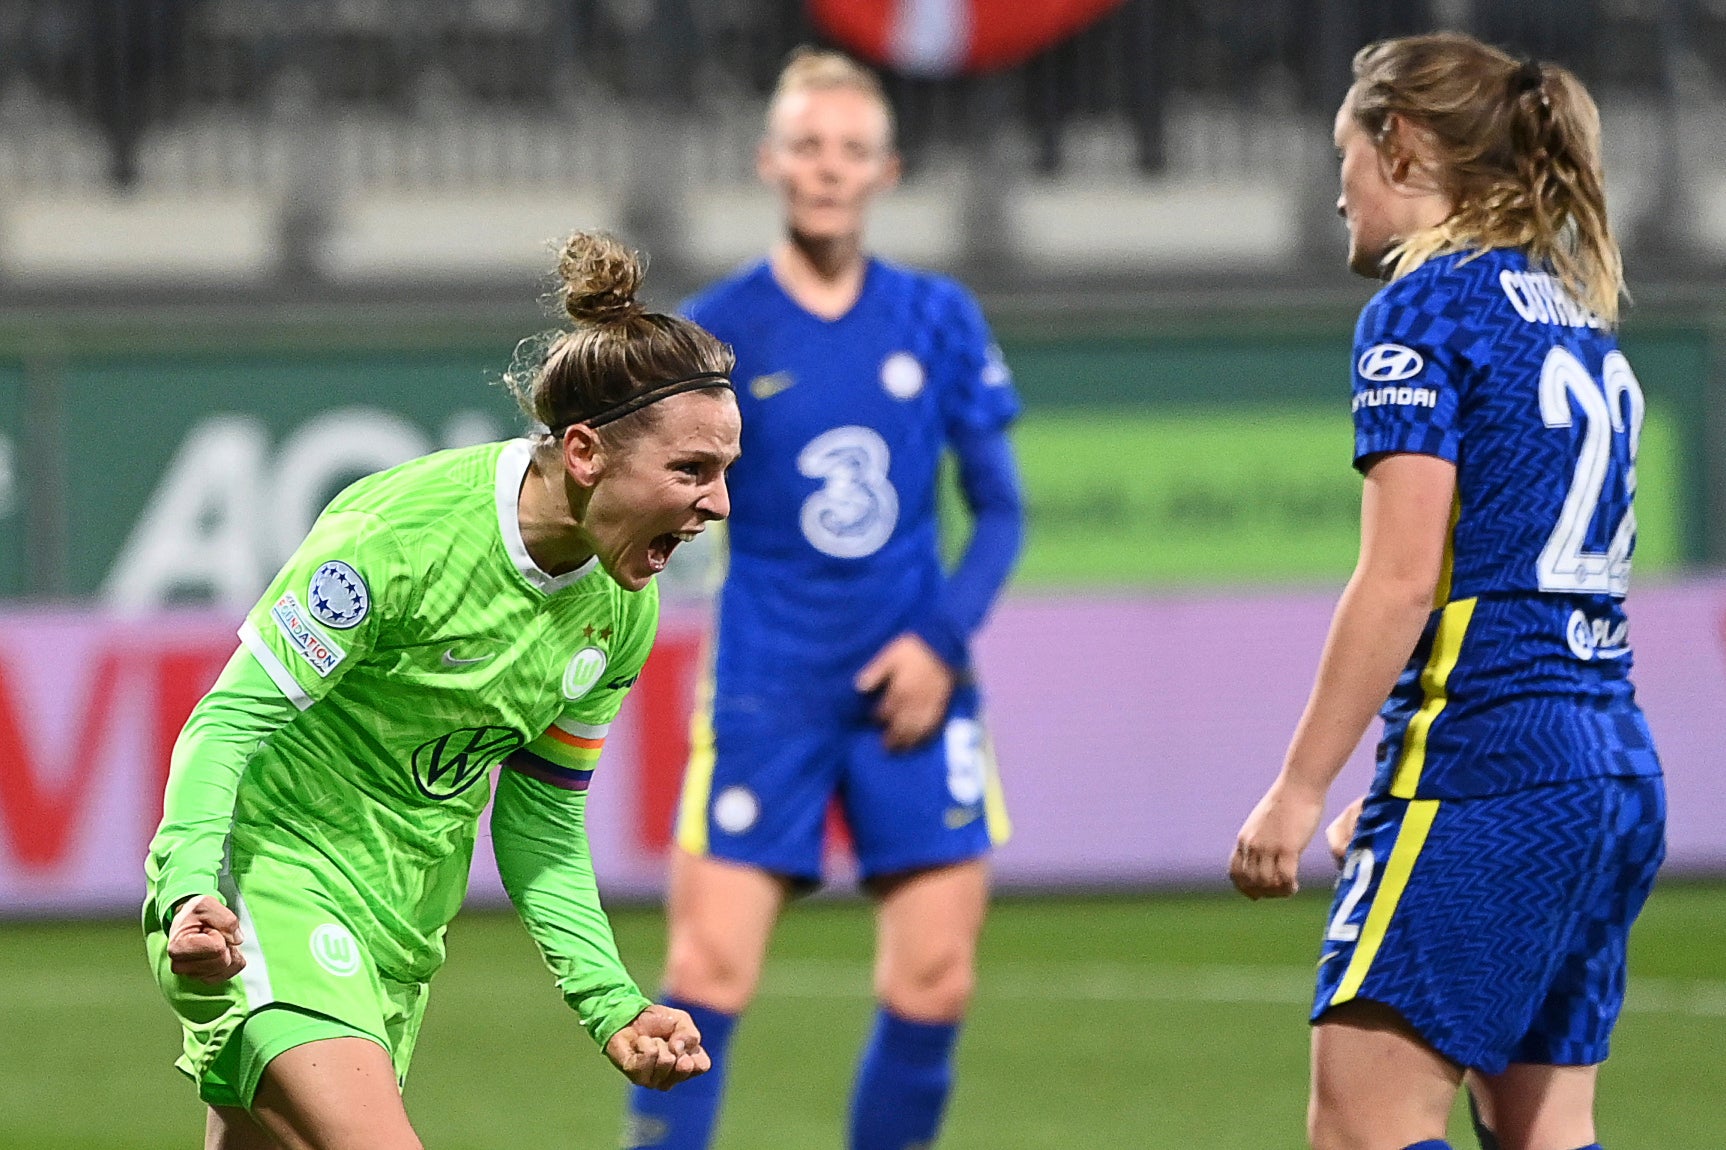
[{"x": 660, "y": 547}]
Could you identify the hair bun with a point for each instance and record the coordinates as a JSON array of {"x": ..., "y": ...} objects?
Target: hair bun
[
  {"x": 1528, "y": 75},
  {"x": 600, "y": 279}
]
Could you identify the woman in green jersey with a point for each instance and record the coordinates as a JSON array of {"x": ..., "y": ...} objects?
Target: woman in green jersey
[{"x": 483, "y": 607}]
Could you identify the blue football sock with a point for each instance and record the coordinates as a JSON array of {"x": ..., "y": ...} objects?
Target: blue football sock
[
  {"x": 903, "y": 1081},
  {"x": 1429, "y": 1144},
  {"x": 1592, "y": 1146},
  {"x": 683, "y": 1117}
]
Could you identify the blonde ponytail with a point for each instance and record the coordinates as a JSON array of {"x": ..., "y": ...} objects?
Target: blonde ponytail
[{"x": 1518, "y": 151}]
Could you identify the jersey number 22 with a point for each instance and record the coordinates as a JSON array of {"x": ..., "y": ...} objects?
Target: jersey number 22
[{"x": 1564, "y": 565}]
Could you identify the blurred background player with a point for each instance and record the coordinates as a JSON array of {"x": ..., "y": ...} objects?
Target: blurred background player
[
  {"x": 841, "y": 664},
  {"x": 1515, "y": 823},
  {"x": 480, "y": 606}
]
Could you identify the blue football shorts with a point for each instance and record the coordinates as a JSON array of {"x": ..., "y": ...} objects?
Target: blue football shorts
[
  {"x": 761, "y": 781},
  {"x": 1497, "y": 926}
]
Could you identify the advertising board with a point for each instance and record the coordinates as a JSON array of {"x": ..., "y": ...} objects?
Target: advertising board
[
  {"x": 1134, "y": 734},
  {"x": 180, "y": 475}
]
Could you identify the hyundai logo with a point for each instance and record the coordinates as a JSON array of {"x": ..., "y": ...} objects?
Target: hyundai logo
[{"x": 1389, "y": 362}]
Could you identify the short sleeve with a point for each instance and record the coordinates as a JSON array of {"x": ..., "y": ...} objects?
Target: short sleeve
[
  {"x": 567, "y": 753},
  {"x": 979, "y": 395},
  {"x": 1409, "y": 372},
  {"x": 324, "y": 610}
]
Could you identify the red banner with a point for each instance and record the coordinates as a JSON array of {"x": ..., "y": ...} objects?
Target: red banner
[
  {"x": 943, "y": 37},
  {"x": 90, "y": 708}
]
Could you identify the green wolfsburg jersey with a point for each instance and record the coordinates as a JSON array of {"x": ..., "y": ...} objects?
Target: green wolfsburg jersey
[{"x": 422, "y": 647}]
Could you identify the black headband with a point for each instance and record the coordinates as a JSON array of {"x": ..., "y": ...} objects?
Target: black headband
[{"x": 700, "y": 381}]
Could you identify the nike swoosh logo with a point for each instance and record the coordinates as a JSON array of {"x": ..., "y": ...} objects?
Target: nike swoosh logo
[
  {"x": 449, "y": 659},
  {"x": 1326, "y": 957},
  {"x": 961, "y": 816},
  {"x": 768, "y": 386}
]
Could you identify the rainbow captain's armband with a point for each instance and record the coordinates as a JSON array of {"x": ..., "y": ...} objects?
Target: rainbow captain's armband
[{"x": 562, "y": 757}]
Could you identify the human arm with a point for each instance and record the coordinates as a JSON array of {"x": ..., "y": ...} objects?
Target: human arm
[
  {"x": 1340, "y": 832},
  {"x": 1405, "y": 518},
  {"x": 915, "y": 672},
  {"x": 540, "y": 840},
  {"x": 989, "y": 481},
  {"x": 241, "y": 711},
  {"x": 321, "y": 615}
]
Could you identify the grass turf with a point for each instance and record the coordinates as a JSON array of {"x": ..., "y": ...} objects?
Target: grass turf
[{"x": 1166, "y": 1020}]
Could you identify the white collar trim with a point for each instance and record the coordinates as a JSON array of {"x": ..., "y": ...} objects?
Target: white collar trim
[{"x": 512, "y": 465}]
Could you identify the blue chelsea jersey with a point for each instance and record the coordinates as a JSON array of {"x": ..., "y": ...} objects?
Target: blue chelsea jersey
[
  {"x": 1522, "y": 675},
  {"x": 832, "y": 538}
]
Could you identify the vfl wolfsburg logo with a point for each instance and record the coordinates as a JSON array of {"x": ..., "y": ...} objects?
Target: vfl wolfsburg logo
[
  {"x": 583, "y": 672},
  {"x": 446, "y": 766},
  {"x": 336, "y": 950}
]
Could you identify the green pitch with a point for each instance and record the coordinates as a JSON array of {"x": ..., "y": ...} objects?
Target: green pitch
[{"x": 1112, "y": 1022}]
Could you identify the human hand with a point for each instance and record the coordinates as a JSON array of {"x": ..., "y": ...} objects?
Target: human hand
[
  {"x": 914, "y": 687},
  {"x": 1268, "y": 849},
  {"x": 659, "y": 1049},
  {"x": 1340, "y": 833},
  {"x": 204, "y": 940}
]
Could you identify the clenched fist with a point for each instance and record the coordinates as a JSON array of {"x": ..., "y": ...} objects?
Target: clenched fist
[
  {"x": 659, "y": 1049},
  {"x": 204, "y": 940}
]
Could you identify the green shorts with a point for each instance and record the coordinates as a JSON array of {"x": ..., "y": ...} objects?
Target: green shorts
[{"x": 307, "y": 977}]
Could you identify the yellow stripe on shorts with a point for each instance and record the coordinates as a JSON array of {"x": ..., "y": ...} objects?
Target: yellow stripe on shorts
[
  {"x": 698, "y": 775},
  {"x": 994, "y": 798},
  {"x": 1410, "y": 838}
]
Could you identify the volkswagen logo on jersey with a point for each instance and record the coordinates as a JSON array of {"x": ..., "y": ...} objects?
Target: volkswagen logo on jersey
[
  {"x": 1389, "y": 362},
  {"x": 583, "y": 673},
  {"x": 902, "y": 375},
  {"x": 338, "y": 595},
  {"x": 446, "y": 766}
]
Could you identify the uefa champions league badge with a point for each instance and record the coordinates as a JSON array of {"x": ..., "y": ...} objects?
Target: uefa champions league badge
[{"x": 338, "y": 595}]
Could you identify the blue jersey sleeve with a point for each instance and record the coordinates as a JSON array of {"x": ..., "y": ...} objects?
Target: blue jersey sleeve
[
  {"x": 1409, "y": 373},
  {"x": 989, "y": 479},
  {"x": 978, "y": 395}
]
